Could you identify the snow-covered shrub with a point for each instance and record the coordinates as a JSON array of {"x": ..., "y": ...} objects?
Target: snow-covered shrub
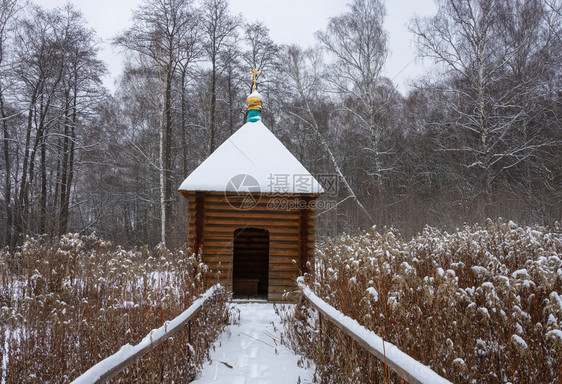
[
  {"x": 68, "y": 303},
  {"x": 481, "y": 305}
]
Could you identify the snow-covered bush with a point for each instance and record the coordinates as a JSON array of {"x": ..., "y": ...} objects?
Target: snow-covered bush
[
  {"x": 68, "y": 303},
  {"x": 481, "y": 305}
]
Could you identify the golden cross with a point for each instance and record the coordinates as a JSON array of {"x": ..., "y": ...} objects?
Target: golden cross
[{"x": 255, "y": 73}]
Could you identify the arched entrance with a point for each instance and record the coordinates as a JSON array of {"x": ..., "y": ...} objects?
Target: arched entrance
[{"x": 250, "y": 269}]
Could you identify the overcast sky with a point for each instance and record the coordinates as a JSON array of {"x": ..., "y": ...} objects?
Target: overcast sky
[{"x": 289, "y": 21}]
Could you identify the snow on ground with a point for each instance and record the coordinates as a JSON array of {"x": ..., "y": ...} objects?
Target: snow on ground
[
  {"x": 4, "y": 357},
  {"x": 249, "y": 351}
]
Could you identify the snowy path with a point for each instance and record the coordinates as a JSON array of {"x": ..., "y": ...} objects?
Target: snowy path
[{"x": 249, "y": 351}]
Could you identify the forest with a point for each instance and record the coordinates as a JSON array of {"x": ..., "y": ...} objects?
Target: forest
[{"x": 478, "y": 136}]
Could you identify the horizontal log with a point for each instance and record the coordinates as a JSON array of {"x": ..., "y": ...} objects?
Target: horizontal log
[
  {"x": 222, "y": 196},
  {"x": 215, "y": 229},
  {"x": 290, "y": 275},
  {"x": 266, "y": 205},
  {"x": 280, "y": 297},
  {"x": 280, "y": 290},
  {"x": 283, "y": 259},
  {"x": 230, "y": 225},
  {"x": 214, "y": 260},
  {"x": 265, "y": 210},
  {"x": 282, "y": 282},
  {"x": 286, "y": 267},
  {"x": 275, "y": 262},
  {"x": 280, "y": 215},
  {"x": 218, "y": 278},
  {"x": 274, "y": 238},
  {"x": 210, "y": 249}
]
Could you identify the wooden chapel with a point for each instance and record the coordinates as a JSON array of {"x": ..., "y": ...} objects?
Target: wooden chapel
[{"x": 251, "y": 212}]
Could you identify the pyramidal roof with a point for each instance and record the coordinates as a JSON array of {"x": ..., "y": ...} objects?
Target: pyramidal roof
[{"x": 252, "y": 160}]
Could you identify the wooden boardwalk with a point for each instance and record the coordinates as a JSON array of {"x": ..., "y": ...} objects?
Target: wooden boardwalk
[{"x": 249, "y": 351}]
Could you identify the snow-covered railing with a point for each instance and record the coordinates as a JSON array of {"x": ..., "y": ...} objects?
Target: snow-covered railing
[
  {"x": 128, "y": 354},
  {"x": 409, "y": 369}
]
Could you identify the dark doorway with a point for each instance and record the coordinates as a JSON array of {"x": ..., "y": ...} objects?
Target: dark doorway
[{"x": 250, "y": 269}]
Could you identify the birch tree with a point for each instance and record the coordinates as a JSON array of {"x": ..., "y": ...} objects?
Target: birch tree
[
  {"x": 303, "y": 70},
  {"x": 8, "y": 10},
  {"x": 220, "y": 29},
  {"x": 161, "y": 29},
  {"x": 357, "y": 44},
  {"x": 484, "y": 47},
  {"x": 263, "y": 55}
]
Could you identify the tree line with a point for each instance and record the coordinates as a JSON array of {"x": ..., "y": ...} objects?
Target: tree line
[{"x": 478, "y": 136}]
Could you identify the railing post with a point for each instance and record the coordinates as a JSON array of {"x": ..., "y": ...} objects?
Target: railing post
[{"x": 320, "y": 325}]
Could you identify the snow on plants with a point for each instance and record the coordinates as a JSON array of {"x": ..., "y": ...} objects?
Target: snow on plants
[
  {"x": 69, "y": 302},
  {"x": 480, "y": 305}
]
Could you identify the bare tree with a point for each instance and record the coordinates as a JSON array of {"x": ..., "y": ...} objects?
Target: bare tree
[
  {"x": 220, "y": 34},
  {"x": 357, "y": 43},
  {"x": 39, "y": 49},
  {"x": 191, "y": 51},
  {"x": 8, "y": 10},
  {"x": 159, "y": 34},
  {"x": 263, "y": 55},
  {"x": 81, "y": 90},
  {"x": 56, "y": 80},
  {"x": 488, "y": 50},
  {"x": 304, "y": 74}
]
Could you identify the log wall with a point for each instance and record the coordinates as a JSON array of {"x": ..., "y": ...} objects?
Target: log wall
[{"x": 287, "y": 237}]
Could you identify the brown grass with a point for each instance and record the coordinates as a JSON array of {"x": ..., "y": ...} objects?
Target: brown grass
[
  {"x": 481, "y": 305},
  {"x": 68, "y": 303}
]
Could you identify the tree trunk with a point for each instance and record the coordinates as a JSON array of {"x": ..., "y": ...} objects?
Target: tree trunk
[
  {"x": 20, "y": 219},
  {"x": 43, "y": 199},
  {"x": 168, "y": 150},
  {"x": 67, "y": 172},
  {"x": 7, "y": 180},
  {"x": 213, "y": 106},
  {"x": 183, "y": 127}
]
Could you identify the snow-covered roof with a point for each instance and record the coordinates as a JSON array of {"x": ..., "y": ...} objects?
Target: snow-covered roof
[{"x": 252, "y": 160}]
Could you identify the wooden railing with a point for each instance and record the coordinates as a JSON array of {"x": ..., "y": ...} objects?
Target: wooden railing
[
  {"x": 128, "y": 354},
  {"x": 409, "y": 369}
]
